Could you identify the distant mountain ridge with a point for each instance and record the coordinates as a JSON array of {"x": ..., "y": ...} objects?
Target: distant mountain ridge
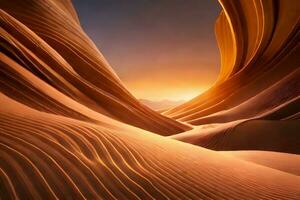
[{"x": 162, "y": 104}]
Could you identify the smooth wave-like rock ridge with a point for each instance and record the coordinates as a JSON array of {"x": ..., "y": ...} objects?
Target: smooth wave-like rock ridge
[
  {"x": 259, "y": 45},
  {"x": 259, "y": 78},
  {"x": 44, "y": 39}
]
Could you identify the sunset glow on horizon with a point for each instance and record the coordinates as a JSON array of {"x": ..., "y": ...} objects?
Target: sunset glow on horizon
[
  {"x": 168, "y": 89},
  {"x": 167, "y": 93}
]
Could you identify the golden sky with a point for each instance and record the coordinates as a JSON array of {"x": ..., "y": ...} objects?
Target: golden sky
[{"x": 169, "y": 84}]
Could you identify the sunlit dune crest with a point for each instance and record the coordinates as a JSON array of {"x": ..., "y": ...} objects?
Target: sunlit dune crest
[{"x": 69, "y": 128}]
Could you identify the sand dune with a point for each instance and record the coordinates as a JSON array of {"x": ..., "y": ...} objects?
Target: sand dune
[
  {"x": 281, "y": 161},
  {"x": 69, "y": 129},
  {"x": 281, "y": 136},
  {"x": 48, "y": 156}
]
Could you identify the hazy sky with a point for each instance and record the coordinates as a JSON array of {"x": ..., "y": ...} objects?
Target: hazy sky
[{"x": 161, "y": 49}]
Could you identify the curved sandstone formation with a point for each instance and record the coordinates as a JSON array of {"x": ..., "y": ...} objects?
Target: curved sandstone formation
[
  {"x": 69, "y": 129},
  {"x": 259, "y": 80},
  {"x": 259, "y": 45},
  {"x": 44, "y": 39}
]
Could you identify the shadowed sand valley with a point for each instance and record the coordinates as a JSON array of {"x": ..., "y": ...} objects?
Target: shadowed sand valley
[{"x": 69, "y": 128}]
